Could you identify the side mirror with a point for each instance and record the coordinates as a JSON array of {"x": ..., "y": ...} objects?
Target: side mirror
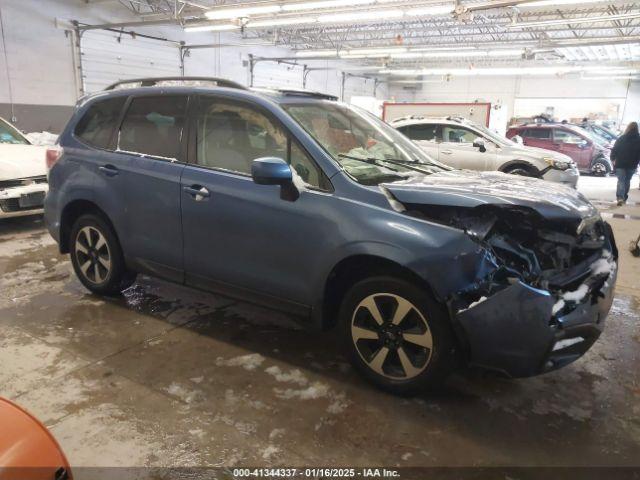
[
  {"x": 518, "y": 139},
  {"x": 583, "y": 144},
  {"x": 479, "y": 143},
  {"x": 275, "y": 171}
]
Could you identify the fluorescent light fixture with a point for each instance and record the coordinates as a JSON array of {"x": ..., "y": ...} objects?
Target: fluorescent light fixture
[
  {"x": 367, "y": 51},
  {"x": 506, "y": 53},
  {"x": 293, "y": 7},
  {"x": 431, "y": 10},
  {"x": 212, "y": 28},
  {"x": 316, "y": 53},
  {"x": 361, "y": 55},
  {"x": 468, "y": 72},
  {"x": 614, "y": 77},
  {"x": 225, "y": 13},
  {"x": 573, "y": 21},
  {"x": 362, "y": 15},
  {"x": 554, "y": 3},
  {"x": 273, "y": 22}
]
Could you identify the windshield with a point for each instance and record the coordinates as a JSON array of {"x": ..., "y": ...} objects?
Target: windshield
[
  {"x": 368, "y": 149},
  {"x": 591, "y": 135},
  {"x": 493, "y": 136},
  {"x": 8, "y": 134}
]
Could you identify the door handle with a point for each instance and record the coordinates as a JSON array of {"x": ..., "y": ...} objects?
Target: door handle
[
  {"x": 446, "y": 152},
  {"x": 198, "y": 192},
  {"x": 109, "y": 170}
]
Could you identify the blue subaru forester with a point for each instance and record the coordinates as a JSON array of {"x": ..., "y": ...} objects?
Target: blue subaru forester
[{"x": 294, "y": 200}]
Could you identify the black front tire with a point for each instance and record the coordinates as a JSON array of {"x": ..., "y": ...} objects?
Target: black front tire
[
  {"x": 426, "y": 324},
  {"x": 520, "y": 170},
  {"x": 600, "y": 168},
  {"x": 97, "y": 257}
]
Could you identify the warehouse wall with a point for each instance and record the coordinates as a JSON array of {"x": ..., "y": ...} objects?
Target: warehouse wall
[
  {"x": 38, "y": 86},
  {"x": 521, "y": 95}
]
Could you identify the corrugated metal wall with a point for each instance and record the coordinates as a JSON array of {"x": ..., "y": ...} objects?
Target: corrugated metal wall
[{"x": 108, "y": 57}]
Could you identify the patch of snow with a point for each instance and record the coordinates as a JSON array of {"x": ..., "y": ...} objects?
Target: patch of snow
[
  {"x": 407, "y": 456},
  {"x": 182, "y": 393},
  {"x": 42, "y": 138},
  {"x": 338, "y": 405},
  {"x": 312, "y": 392},
  {"x": 248, "y": 362},
  {"x": 197, "y": 379},
  {"x": 558, "y": 306},
  {"x": 473, "y": 304},
  {"x": 577, "y": 295},
  {"x": 276, "y": 432},
  {"x": 294, "y": 376},
  {"x": 269, "y": 452}
]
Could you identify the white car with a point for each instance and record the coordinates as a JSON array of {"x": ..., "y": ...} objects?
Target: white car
[
  {"x": 23, "y": 173},
  {"x": 463, "y": 144}
]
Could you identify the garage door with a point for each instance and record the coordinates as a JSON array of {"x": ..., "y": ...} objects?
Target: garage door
[
  {"x": 277, "y": 75},
  {"x": 108, "y": 57}
]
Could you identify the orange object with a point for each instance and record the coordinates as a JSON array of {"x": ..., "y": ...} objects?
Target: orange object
[{"x": 27, "y": 448}]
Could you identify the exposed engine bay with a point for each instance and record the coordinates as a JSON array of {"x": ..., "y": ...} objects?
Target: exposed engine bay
[{"x": 570, "y": 259}]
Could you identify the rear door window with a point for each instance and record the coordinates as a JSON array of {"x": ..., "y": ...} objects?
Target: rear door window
[
  {"x": 565, "y": 136},
  {"x": 421, "y": 132},
  {"x": 97, "y": 125},
  {"x": 540, "y": 133},
  {"x": 154, "y": 126},
  {"x": 451, "y": 134}
]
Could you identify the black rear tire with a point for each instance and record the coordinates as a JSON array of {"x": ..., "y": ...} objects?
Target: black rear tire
[
  {"x": 97, "y": 257},
  {"x": 422, "y": 337}
]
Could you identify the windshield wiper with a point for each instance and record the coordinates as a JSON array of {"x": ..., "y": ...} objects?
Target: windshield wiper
[{"x": 377, "y": 161}]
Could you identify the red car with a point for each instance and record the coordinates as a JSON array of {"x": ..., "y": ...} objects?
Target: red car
[{"x": 590, "y": 156}]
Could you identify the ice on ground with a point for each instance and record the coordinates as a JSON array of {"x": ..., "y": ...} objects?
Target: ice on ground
[
  {"x": 276, "y": 432},
  {"x": 248, "y": 362},
  {"x": 294, "y": 376},
  {"x": 182, "y": 393},
  {"x": 312, "y": 392}
]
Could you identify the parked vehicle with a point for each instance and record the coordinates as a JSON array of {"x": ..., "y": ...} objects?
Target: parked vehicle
[
  {"x": 463, "y": 144},
  {"x": 23, "y": 173},
  {"x": 294, "y": 200},
  {"x": 604, "y": 136},
  {"x": 589, "y": 154},
  {"x": 27, "y": 448}
]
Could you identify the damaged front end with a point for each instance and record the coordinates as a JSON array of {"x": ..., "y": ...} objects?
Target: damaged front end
[{"x": 544, "y": 303}]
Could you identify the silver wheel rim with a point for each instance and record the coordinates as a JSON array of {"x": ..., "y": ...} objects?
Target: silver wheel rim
[
  {"x": 599, "y": 168},
  {"x": 391, "y": 336},
  {"x": 93, "y": 255}
]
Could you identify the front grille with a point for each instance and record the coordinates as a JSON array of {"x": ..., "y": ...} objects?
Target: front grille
[{"x": 21, "y": 182}]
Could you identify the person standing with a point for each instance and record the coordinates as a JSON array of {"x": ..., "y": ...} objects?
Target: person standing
[{"x": 625, "y": 156}]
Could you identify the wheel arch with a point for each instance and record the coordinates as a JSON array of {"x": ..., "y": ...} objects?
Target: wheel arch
[
  {"x": 71, "y": 212},
  {"x": 511, "y": 164},
  {"x": 352, "y": 269}
]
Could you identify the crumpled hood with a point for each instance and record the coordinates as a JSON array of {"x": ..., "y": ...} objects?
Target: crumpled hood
[
  {"x": 22, "y": 161},
  {"x": 466, "y": 188}
]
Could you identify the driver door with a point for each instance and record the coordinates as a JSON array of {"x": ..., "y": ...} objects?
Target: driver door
[
  {"x": 457, "y": 150},
  {"x": 241, "y": 237}
]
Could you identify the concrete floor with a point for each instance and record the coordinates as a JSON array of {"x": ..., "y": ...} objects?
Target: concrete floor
[{"x": 166, "y": 376}]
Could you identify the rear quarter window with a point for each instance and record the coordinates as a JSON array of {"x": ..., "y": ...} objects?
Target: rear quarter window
[
  {"x": 541, "y": 133},
  {"x": 99, "y": 122}
]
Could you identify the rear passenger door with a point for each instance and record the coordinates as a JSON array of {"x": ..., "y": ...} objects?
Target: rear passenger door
[
  {"x": 425, "y": 136},
  {"x": 240, "y": 236},
  {"x": 150, "y": 139}
]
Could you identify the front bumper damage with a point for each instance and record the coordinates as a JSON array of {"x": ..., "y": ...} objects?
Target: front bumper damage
[
  {"x": 521, "y": 331},
  {"x": 22, "y": 199}
]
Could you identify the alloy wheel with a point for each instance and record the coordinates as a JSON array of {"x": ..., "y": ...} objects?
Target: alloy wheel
[
  {"x": 93, "y": 255},
  {"x": 391, "y": 336},
  {"x": 599, "y": 168}
]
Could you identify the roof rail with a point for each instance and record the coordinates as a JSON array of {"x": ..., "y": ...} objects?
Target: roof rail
[
  {"x": 153, "y": 81},
  {"x": 306, "y": 93}
]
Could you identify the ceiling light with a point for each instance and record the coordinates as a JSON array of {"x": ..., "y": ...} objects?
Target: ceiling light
[
  {"x": 223, "y": 13},
  {"x": 506, "y": 53},
  {"x": 381, "y": 15},
  {"x": 316, "y": 53},
  {"x": 554, "y": 3},
  {"x": 614, "y": 77},
  {"x": 466, "y": 72},
  {"x": 212, "y": 28},
  {"x": 365, "y": 51},
  {"x": 432, "y": 10},
  {"x": 273, "y": 22},
  {"x": 572, "y": 21},
  {"x": 292, "y": 7}
]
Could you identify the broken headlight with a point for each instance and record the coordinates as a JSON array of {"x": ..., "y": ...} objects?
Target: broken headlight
[{"x": 558, "y": 164}]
